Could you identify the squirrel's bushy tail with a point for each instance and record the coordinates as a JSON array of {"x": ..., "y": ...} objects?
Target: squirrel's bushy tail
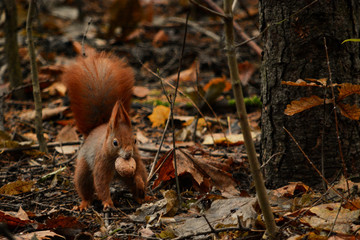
[{"x": 94, "y": 84}]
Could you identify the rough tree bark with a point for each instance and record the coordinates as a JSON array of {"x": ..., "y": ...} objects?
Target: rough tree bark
[{"x": 293, "y": 49}]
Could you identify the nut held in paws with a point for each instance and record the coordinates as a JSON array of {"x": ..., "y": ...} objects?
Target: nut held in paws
[{"x": 125, "y": 168}]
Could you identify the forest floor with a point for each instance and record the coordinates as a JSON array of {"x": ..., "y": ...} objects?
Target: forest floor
[{"x": 217, "y": 194}]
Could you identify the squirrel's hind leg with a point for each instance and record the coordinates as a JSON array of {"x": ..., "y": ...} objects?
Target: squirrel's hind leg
[{"x": 84, "y": 183}]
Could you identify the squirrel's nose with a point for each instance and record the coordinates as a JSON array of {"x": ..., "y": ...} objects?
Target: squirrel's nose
[{"x": 127, "y": 155}]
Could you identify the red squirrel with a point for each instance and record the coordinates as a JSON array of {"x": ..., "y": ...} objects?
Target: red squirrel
[{"x": 100, "y": 87}]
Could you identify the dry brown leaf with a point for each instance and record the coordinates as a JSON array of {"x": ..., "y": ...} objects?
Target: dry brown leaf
[
  {"x": 46, "y": 113},
  {"x": 303, "y": 104},
  {"x": 347, "y": 89},
  {"x": 22, "y": 215},
  {"x": 13, "y": 220},
  {"x": 246, "y": 70},
  {"x": 322, "y": 217},
  {"x": 186, "y": 75},
  {"x": 205, "y": 174},
  {"x": 322, "y": 81},
  {"x": 67, "y": 134},
  {"x": 140, "y": 136},
  {"x": 291, "y": 189},
  {"x": 227, "y": 140},
  {"x": 140, "y": 91},
  {"x": 300, "y": 82},
  {"x": 349, "y": 111},
  {"x": 160, "y": 38},
  {"x": 56, "y": 88},
  {"x": 343, "y": 184},
  {"x": 40, "y": 235}
]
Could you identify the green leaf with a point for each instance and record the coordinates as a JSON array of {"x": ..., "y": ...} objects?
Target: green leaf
[{"x": 351, "y": 40}]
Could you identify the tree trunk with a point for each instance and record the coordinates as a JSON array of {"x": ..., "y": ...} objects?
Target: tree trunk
[
  {"x": 294, "y": 49},
  {"x": 11, "y": 48}
]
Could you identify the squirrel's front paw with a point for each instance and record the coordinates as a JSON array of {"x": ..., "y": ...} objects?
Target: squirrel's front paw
[
  {"x": 84, "y": 205},
  {"x": 139, "y": 190},
  {"x": 108, "y": 204}
]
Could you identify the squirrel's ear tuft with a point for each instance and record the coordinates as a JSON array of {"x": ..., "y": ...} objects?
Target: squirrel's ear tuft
[
  {"x": 125, "y": 118},
  {"x": 119, "y": 115}
]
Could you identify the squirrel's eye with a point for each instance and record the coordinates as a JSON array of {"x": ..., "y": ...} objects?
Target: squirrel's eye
[
  {"x": 115, "y": 142},
  {"x": 134, "y": 140}
]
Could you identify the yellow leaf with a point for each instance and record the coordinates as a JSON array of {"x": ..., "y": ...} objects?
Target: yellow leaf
[
  {"x": 303, "y": 104},
  {"x": 349, "y": 111},
  {"x": 159, "y": 115},
  {"x": 16, "y": 187}
]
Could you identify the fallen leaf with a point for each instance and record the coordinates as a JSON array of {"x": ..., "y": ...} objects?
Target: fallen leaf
[
  {"x": 343, "y": 185},
  {"x": 12, "y": 220},
  {"x": 159, "y": 115},
  {"x": 291, "y": 189},
  {"x": 140, "y": 92},
  {"x": 67, "y": 134},
  {"x": 46, "y": 113},
  {"x": 172, "y": 202},
  {"x": 322, "y": 217},
  {"x": 223, "y": 212},
  {"x": 61, "y": 222},
  {"x": 17, "y": 187},
  {"x": 146, "y": 232},
  {"x": 246, "y": 70},
  {"x": 160, "y": 38},
  {"x": 40, "y": 235},
  {"x": 188, "y": 75},
  {"x": 227, "y": 140},
  {"x": 22, "y": 215},
  {"x": 204, "y": 173},
  {"x": 55, "y": 88},
  {"x": 141, "y": 137}
]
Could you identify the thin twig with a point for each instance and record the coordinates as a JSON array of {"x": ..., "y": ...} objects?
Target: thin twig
[
  {"x": 262, "y": 195},
  {"x": 337, "y": 215},
  {"x": 36, "y": 146},
  {"x": 197, "y": 27},
  {"x": 211, "y": 227},
  {"x": 84, "y": 37},
  {"x": 315, "y": 168},
  {"x": 35, "y": 78},
  {"x": 151, "y": 173},
  {"x": 217, "y": 13},
  {"x": 183, "y": 94},
  {"x": 238, "y": 29},
  {"x": 336, "y": 119},
  {"x": 191, "y": 236}
]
